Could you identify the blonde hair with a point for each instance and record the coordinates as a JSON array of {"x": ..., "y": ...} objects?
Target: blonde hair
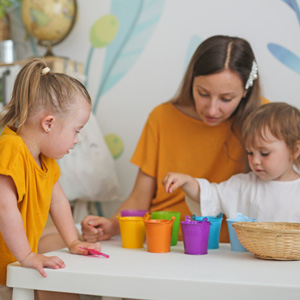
[
  {"x": 36, "y": 90},
  {"x": 281, "y": 119},
  {"x": 214, "y": 55}
]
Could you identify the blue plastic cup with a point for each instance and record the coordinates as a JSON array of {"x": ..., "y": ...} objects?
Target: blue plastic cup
[
  {"x": 214, "y": 231},
  {"x": 234, "y": 241}
]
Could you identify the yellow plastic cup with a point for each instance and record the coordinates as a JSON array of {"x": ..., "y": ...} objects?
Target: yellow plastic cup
[{"x": 132, "y": 231}]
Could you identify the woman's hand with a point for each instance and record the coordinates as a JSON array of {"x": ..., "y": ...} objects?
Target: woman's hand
[
  {"x": 96, "y": 229},
  {"x": 39, "y": 261}
]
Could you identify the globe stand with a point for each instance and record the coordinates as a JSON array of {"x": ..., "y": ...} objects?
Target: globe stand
[{"x": 48, "y": 46}]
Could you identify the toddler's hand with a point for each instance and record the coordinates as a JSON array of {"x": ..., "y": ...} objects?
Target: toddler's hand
[
  {"x": 172, "y": 181},
  {"x": 39, "y": 261},
  {"x": 77, "y": 247}
]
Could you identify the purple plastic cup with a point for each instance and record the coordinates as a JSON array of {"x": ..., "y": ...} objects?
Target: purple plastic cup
[
  {"x": 195, "y": 236},
  {"x": 133, "y": 212}
]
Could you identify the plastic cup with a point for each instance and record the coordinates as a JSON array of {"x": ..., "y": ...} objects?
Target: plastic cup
[
  {"x": 134, "y": 212},
  {"x": 132, "y": 231},
  {"x": 214, "y": 231},
  {"x": 158, "y": 234},
  {"x": 234, "y": 241},
  {"x": 168, "y": 215},
  {"x": 195, "y": 236}
]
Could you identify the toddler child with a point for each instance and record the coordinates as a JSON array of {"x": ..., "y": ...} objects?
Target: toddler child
[
  {"x": 270, "y": 192},
  {"x": 41, "y": 124}
]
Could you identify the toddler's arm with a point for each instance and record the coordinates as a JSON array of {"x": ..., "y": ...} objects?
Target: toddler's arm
[
  {"x": 61, "y": 215},
  {"x": 12, "y": 230},
  {"x": 189, "y": 184}
]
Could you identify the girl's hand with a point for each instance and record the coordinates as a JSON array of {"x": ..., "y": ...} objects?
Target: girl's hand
[
  {"x": 77, "y": 247},
  {"x": 172, "y": 181},
  {"x": 39, "y": 261}
]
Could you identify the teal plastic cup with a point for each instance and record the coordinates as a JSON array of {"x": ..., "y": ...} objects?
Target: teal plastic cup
[
  {"x": 167, "y": 215},
  {"x": 234, "y": 241},
  {"x": 214, "y": 231}
]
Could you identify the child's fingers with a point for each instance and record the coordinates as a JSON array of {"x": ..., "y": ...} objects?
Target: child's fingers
[
  {"x": 53, "y": 262},
  {"x": 41, "y": 271}
]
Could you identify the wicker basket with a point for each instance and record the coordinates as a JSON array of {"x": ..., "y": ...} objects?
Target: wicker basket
[{"x": 270, "y": 240}]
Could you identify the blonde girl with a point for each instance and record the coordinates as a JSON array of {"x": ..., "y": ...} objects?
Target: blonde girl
[{"x": 41, "y": 124}]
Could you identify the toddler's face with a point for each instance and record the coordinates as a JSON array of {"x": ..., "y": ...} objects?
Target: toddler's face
[{"x": 271, "y": 159}]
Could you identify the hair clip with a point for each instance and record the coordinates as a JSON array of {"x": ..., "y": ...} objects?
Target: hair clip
[
  {"x": 252, "y": 76},
  {"x": 45, "y": 70}
]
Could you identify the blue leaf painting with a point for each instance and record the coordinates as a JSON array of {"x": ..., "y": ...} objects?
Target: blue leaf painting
[
  {"x": 285, "y": 56},
  {"x": 293, "y": 4},
  {"x": 137, "y": 21},
  {"x": 193, "y": 45}
]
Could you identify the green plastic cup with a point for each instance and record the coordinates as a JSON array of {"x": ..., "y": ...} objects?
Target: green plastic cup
[{"x": 167, "y": 215}]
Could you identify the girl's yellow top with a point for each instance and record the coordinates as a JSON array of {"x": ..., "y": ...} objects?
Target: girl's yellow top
[{"x": 34, "y": 188}]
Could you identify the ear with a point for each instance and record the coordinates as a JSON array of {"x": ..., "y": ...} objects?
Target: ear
[
  {"x": 296, "y": 150},
  {"x": 47, "y": 123}
]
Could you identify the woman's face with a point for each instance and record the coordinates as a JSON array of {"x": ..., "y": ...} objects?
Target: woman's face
[{"x": 217, "y": 96}]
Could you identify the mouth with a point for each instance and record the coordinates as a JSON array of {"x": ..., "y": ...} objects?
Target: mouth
[{"x": 211, "y": 119}]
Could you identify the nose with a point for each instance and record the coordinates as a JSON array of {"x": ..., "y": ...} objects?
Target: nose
[
  {"x": 212, "y": 107},
  {"x": 256, "y": 159}
]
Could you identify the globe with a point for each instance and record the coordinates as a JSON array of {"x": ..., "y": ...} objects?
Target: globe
[{"x": 49, "y": 21}]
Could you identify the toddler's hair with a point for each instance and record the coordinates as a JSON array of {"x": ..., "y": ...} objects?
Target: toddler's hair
[
  {"x": 281, "y": 119},
  {"x": 34, "y": 91}
]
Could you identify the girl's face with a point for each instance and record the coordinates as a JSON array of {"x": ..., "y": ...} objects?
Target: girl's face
[
  {"x": 217, "y": 96},
  {"x": 63, "y": 134},
  {"x": 271, "y": 159}
]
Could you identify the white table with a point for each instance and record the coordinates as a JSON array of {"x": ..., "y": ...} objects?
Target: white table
[{"x": 138, "y": 274}]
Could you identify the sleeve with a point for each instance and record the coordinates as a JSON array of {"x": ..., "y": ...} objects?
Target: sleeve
[
  {"x": 229, "y": 197},
  {"x": 12, "y": 164},
  {"x": 146, "y": 152}
]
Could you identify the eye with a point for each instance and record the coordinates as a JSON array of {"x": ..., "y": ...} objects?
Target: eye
[
  {"x": 249, "y": 153},
  {"x": 264, "y": 153},
  {"x": 202, "y": 94},
  {"x": 226, "y": 99},
  {"x": 77, "y": 131}
]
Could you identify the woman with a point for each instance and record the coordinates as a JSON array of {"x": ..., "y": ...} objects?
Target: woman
[{"x": 197, "y": 132}]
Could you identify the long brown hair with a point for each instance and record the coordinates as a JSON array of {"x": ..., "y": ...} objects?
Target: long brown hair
[
  {"x": 214, "y": 55},
  {"x": 34, "y": 91}
]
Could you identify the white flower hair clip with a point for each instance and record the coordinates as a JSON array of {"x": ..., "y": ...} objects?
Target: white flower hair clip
[
  {"x": 253, "y": 75},
  {"x": 45, "y": 70}
]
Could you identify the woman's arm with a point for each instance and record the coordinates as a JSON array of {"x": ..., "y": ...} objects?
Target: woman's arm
[{"x": 99, "y": 228}]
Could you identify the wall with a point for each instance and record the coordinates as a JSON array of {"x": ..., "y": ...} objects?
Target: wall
[{"x": 157, "y": 50}]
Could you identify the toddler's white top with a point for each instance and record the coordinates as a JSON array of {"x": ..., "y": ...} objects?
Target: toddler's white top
[{"x": 266, "y": 201}]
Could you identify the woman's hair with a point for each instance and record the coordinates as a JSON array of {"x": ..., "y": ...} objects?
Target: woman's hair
[
  {"x": 36, "y": 88},
  {"x": 214, "y": 55},
  {"x": 280, "y": 119}
]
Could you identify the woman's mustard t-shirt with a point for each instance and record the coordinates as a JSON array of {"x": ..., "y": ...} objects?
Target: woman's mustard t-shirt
[
  {"x": 173, "y": 142},
  {"x": 34, "y": 187}
]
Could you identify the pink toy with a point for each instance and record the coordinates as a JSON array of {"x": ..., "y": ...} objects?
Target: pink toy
[{"x": 94, "y": 252}]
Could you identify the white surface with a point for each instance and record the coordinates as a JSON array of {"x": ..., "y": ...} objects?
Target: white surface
[{"x": 138, "y": 274}]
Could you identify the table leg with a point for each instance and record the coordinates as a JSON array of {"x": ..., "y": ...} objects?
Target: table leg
[{"x": 22, "y": 294}]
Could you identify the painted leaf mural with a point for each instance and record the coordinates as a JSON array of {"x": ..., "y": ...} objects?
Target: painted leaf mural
[
  {"x": 137, "y": 20},
  {"x": 286, "y": 56}
]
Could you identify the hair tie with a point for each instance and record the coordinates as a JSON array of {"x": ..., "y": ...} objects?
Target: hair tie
[
  {"x": 252, "y": 76},
  {"x": 45, "y": 70}
]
